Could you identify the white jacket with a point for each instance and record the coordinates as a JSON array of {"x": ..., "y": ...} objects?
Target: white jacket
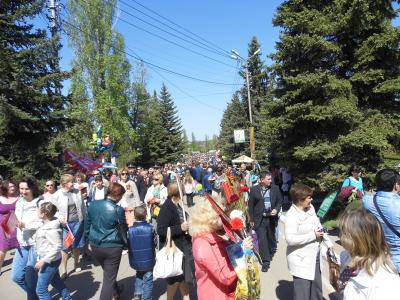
[
  {"x": 60, "y": 200},
  {"x": 150, "y": 194},
  {"x": 383, "y": 285},
  {"x": 48, "y": 241},
  {"x": 131, "y": 198},
  {"x": 302, "y": 246},
  {"x": 26, "y": 213}
]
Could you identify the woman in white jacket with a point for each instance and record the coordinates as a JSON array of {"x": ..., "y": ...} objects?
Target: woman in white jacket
[
  {"x": 48, "y": 251},
  {"x": 304, "y": 233},
  {"x": 156, "y": 195},
  {"x": 71, "y": 212},
  {"x": 368, "y": 272},
  {"x": 23, "y": 272}
]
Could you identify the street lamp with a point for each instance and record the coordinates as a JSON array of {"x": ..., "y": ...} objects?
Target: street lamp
[{"x": 245, "y": 65}]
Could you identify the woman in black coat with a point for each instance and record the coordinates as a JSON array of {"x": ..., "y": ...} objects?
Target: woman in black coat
[{"x": 171, "y": 215}]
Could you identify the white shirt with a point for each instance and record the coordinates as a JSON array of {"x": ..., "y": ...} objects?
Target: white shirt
[
  {"x": 99, "y": 194},
  {"x": 383, "y": 285}
]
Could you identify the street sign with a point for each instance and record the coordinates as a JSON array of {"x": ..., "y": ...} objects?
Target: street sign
[{"x": 239, "y": 136}]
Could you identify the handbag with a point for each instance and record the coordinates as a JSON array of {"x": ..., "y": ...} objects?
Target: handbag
[
  {"x": 122, "y": 230},
  {"x": 168, "y": 260},
  {"x": 384, "y": 219},
  {"x": 9, "y": 224}
]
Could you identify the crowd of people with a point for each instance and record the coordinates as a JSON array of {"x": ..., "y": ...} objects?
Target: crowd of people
[{"x": 108, "y": 213}]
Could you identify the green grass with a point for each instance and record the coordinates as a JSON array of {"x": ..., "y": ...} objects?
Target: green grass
[{"x": 331, "y": 224}]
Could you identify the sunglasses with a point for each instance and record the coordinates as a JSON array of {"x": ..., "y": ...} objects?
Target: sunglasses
[
  {"x": 49, "y": 184},
  {"x": 124, "y": 173}
]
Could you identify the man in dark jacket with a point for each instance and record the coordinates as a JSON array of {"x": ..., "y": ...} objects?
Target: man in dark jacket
[
  {"x": 138, "y": 179},
  {"x": 142, "y": 254},
  {"x": 264, "y": 204}
]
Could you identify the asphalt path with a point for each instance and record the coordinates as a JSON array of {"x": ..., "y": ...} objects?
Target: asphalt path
[{"x": 275, "y": 284}]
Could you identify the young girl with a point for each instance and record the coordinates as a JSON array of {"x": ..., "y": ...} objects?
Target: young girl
[
  {"x": 48, "y": 249},
  {"x": 367, "y": 271}
]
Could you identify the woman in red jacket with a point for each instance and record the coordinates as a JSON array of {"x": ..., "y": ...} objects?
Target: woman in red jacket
[{"x": 216, "y": 278}]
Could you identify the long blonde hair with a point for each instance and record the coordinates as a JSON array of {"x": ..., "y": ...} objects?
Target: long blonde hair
[
  {"x": 204, "y": 219},
  {"x": 188, "y": 178},
  {"x": 362, "y": 236}
]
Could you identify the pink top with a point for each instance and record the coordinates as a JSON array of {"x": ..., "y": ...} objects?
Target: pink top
[{"x": 216, "y": 278}]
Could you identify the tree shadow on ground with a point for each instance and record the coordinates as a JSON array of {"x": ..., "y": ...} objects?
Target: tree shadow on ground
[
  {"x": 284, "y": 290},
  {"x": 82, "y": 285}
]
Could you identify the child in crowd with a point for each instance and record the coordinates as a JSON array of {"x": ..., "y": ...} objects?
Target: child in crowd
[
  {"x": 48, "y": 240},
  {"x": 142, "y": 254}
]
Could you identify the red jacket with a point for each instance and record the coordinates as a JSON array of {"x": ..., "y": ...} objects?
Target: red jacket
[{"x": 216, "y": 278}]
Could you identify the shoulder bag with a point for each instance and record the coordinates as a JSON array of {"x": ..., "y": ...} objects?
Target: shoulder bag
[
  {"x": 384, "y": 219},
  {"x": 168, "y": 260}
]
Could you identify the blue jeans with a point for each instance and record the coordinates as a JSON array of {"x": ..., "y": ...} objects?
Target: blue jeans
[
  {"x": 23, "y": 270},
  {"x": 49, "y": 274},
  {"x": 144, "y": 285}
]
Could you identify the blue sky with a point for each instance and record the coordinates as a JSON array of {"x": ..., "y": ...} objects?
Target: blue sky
[{"x": 228, "y": 24}]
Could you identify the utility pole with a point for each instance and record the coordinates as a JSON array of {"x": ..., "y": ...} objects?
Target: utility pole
[
  {"x": 54, "y": 18},
  {"x": 245, "y": 65}
]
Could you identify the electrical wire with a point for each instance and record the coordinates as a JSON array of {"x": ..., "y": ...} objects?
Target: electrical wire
[
  {"x": 154, "y": 65},
  {"x": 179, "y": 26},
  {"x": 215, "y": 50}
]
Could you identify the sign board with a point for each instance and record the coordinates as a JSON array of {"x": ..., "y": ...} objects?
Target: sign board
[
  {"x": 326, "y": 204},
  {"x": 239, "y": 136}
]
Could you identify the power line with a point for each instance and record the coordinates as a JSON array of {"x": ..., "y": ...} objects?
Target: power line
[
  {"x": 215, "y": 50},
  {"x": 154, "y": 65},
  {"x": 171, "y": 42},
  {"x": 187, "y": 30}
]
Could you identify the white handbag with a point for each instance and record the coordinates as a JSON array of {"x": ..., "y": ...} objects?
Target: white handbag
[{"x": 168, "y": 260}]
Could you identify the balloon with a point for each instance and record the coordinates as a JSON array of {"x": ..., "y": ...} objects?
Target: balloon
[{"x": 199, "y": 187}]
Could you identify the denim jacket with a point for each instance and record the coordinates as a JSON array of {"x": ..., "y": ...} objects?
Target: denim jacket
[{"x": 389, "y": 204}]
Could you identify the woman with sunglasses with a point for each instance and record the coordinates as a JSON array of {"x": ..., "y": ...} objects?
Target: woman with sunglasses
[
  {"x": 49, "y": 189},
  {"x": 155, "y": 196}
]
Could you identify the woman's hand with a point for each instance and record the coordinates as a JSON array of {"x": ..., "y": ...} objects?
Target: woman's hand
[
  {"x": 21, "y": 225},
  {"x": 185, "y": 226},
  {"x": 39, "y": 265},
  {"x": 248, "y": 243}
]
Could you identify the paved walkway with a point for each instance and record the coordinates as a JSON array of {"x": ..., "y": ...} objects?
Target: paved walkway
[{"x": 276, "y": 284}]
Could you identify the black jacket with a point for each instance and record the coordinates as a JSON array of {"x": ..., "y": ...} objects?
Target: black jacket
[
  {"x": 256, "y": 203},
  {"x": 101, "y": 224},
  {"x": 141, "y": 186},
  {"x": 169, "y": 217}
]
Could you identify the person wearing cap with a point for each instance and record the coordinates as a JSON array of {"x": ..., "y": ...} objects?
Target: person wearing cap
[{"x": 138, "y": 179}]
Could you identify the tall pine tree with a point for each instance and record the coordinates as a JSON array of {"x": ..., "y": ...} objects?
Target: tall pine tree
[
  {"x": 234, "y": 117},
  {"x": 328, "y": 80},
  {"x": 31, "y": 109},
  {"x": 172, "y": 143}
]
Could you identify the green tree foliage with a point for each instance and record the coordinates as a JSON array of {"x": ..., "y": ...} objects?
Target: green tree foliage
[
  {"x": 185, "y": 141},
  {"x": 234, "y": 117},
  {"x": 152, "y": 133},
  {"x": 171, "y": 140},
  {"x": 99, "y": 50},
  {"x": 193, "y": 143},
  {"x": 336, "y": 97},
  {"x": 31, "y": 107}
]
